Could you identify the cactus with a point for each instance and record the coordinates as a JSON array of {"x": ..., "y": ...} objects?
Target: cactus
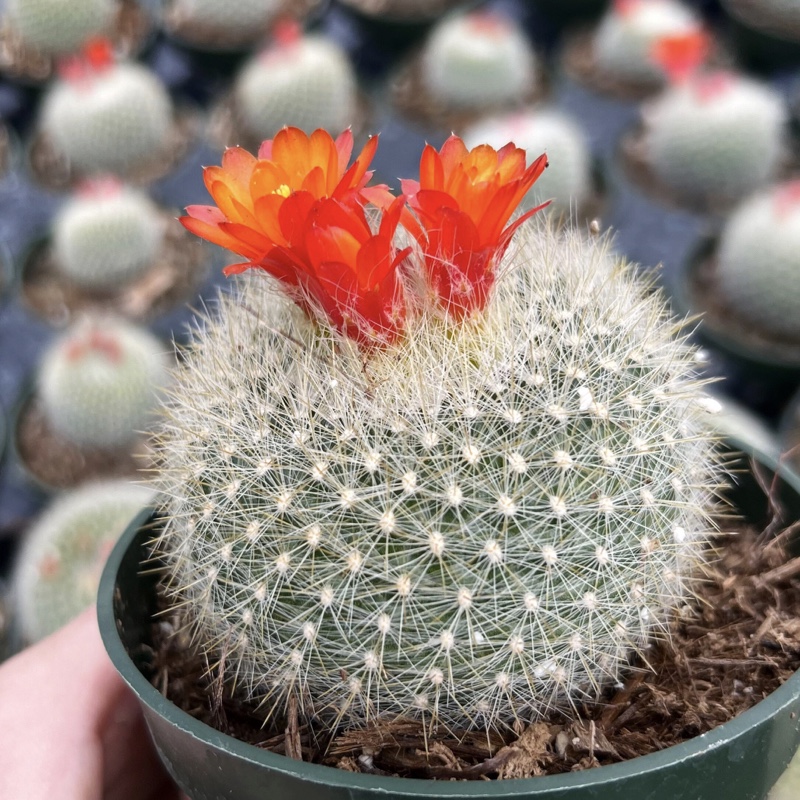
[
  {"x": 700, "y": 136},
  {"x": 58, "y": 568},
  {"x": 758, "y": 261},
  {"x": 99, "y": 382},
  {"x": 567, "y": 181},
  {"x": 249, "y": 20},
  {"x": 475, "y": 60},
  {"x": 105, "y": 117},
  {"x": 626, "y": 34},
  {"x": 466, "y": 522},
  {"x": 779, "y": 17},
  {"x": 107, "y": 235},
  {"x": 304, "y": 81},
  {"x": 57, "y": 27}
]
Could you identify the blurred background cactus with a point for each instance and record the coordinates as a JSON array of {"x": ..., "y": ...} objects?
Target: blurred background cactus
[
  {"x": 107, "y": 235},
  {"x": 56, "y": 27},
  {"x": 758, "y": 261},
  {"x": 716, "y": 136},
  {"x": 301, "y": 80},
  {"x": 568, "y": 178},
  {"x": 107, "y": 117},
  {"x": 624, "y": 38},
  {"x": 476, "y": 60},
  {"x": 468, "y": 526},
  {"x": 211, "y": 18},
  {"x": 57, "y": 571},
  {"x": 99, "y": 382}
]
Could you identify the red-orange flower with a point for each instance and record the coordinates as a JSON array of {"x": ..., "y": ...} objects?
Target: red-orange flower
[
  {"x": 334, "y": 263},
  {"x": 249, "y": 191},
  {"x": 462, "y": 204}
]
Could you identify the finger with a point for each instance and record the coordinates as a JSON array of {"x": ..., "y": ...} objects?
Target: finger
[{"x": 62, "y": 713}]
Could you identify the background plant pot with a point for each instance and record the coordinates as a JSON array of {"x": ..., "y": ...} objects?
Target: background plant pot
[
  {"x": 762, "y": 377},
  {"x": 740, "y": 760}
]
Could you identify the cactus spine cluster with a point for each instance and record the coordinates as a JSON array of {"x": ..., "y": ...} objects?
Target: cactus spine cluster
[
  {"x": 305, "y": 81},
  {"x": 567, "y": 180},
  {"x": 700, "y": 136},
  {"x": 475, "y": 60},
  {"x": 58, "y": 569},
  {"x": 468, "y": 525},
  {"x": 99, "y": 382},
  {"x": 758, "y": 261},
  {"x": 55, "y": 27},
  {"x": 106, "y": 236},
  {"x": 110, "y": 121},
  {"x": 625, "y": 37}
]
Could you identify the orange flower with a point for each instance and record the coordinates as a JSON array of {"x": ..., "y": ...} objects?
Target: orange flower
[
  {"x": 249, "y": 191},
  {"x": 463, "y": 202},
  {"x": 333, "y": 263},
  {"x": 681, "y": 56}
]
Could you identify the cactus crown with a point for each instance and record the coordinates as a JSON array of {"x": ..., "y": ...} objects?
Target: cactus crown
[{"x": 466, "y": 484}]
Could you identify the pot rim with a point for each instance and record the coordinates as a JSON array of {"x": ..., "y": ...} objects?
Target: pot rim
[{"x": 606, "y": 776}]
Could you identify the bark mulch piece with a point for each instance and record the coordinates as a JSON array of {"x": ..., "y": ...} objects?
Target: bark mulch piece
[
  {"x": 175, "y": 277},
  {"x": 132, "y": 29},
  {"x": 738, "y": 643}
]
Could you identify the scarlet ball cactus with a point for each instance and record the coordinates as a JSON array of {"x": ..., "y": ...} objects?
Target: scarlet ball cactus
[{"x": 462, "y": 481}]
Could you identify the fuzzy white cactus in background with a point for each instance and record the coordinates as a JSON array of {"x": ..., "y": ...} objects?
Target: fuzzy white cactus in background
[
  {"x": 107, "y": 117},
  {"x": 476, "y": 60},
  {"x": 711, "y": 136},
  {"x": 758, "y": 261},
  {"x": 305, "y": 81},
  {"x": 626, "y": 34},
  {"x": 55, "y": 27},
  {"x": 719, "y": 135},
  {"x": 58, "y": 568},
  {"x": 567, "y": 180},
  {"x": 99, "y": 382},
  {"x": 107, "y": 235},
  {"x": 249, "y": 19},
  {"x": 481, "y": 518}
]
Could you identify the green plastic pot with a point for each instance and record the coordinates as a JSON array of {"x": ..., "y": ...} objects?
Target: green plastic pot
[{"x": 740, "y": 760}]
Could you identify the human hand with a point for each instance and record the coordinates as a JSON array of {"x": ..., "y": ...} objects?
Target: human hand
[{"x": 70, "y": 728}]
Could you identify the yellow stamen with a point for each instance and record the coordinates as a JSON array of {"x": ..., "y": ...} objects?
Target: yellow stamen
[{"x": 283, "y": 190}]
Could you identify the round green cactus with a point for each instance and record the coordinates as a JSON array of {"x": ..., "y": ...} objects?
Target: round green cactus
[
  {"x": 717, "y": 135},
  {"x": 470, "y": 525},
  {"x": 58, "y": 569},
  {"x": 109, "y": 121},
  {"x": 567, "y": 180},
  {"x": 758, "y": 261},
  {"x": 625, "y": 36},
  {"x": 476, "y": 60},
  {"x": 303, "y": 81},
  {"x": 107, "y": 235},
  {"x": 99, "y": 382},
  {"x": 56, "y": 27}
]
